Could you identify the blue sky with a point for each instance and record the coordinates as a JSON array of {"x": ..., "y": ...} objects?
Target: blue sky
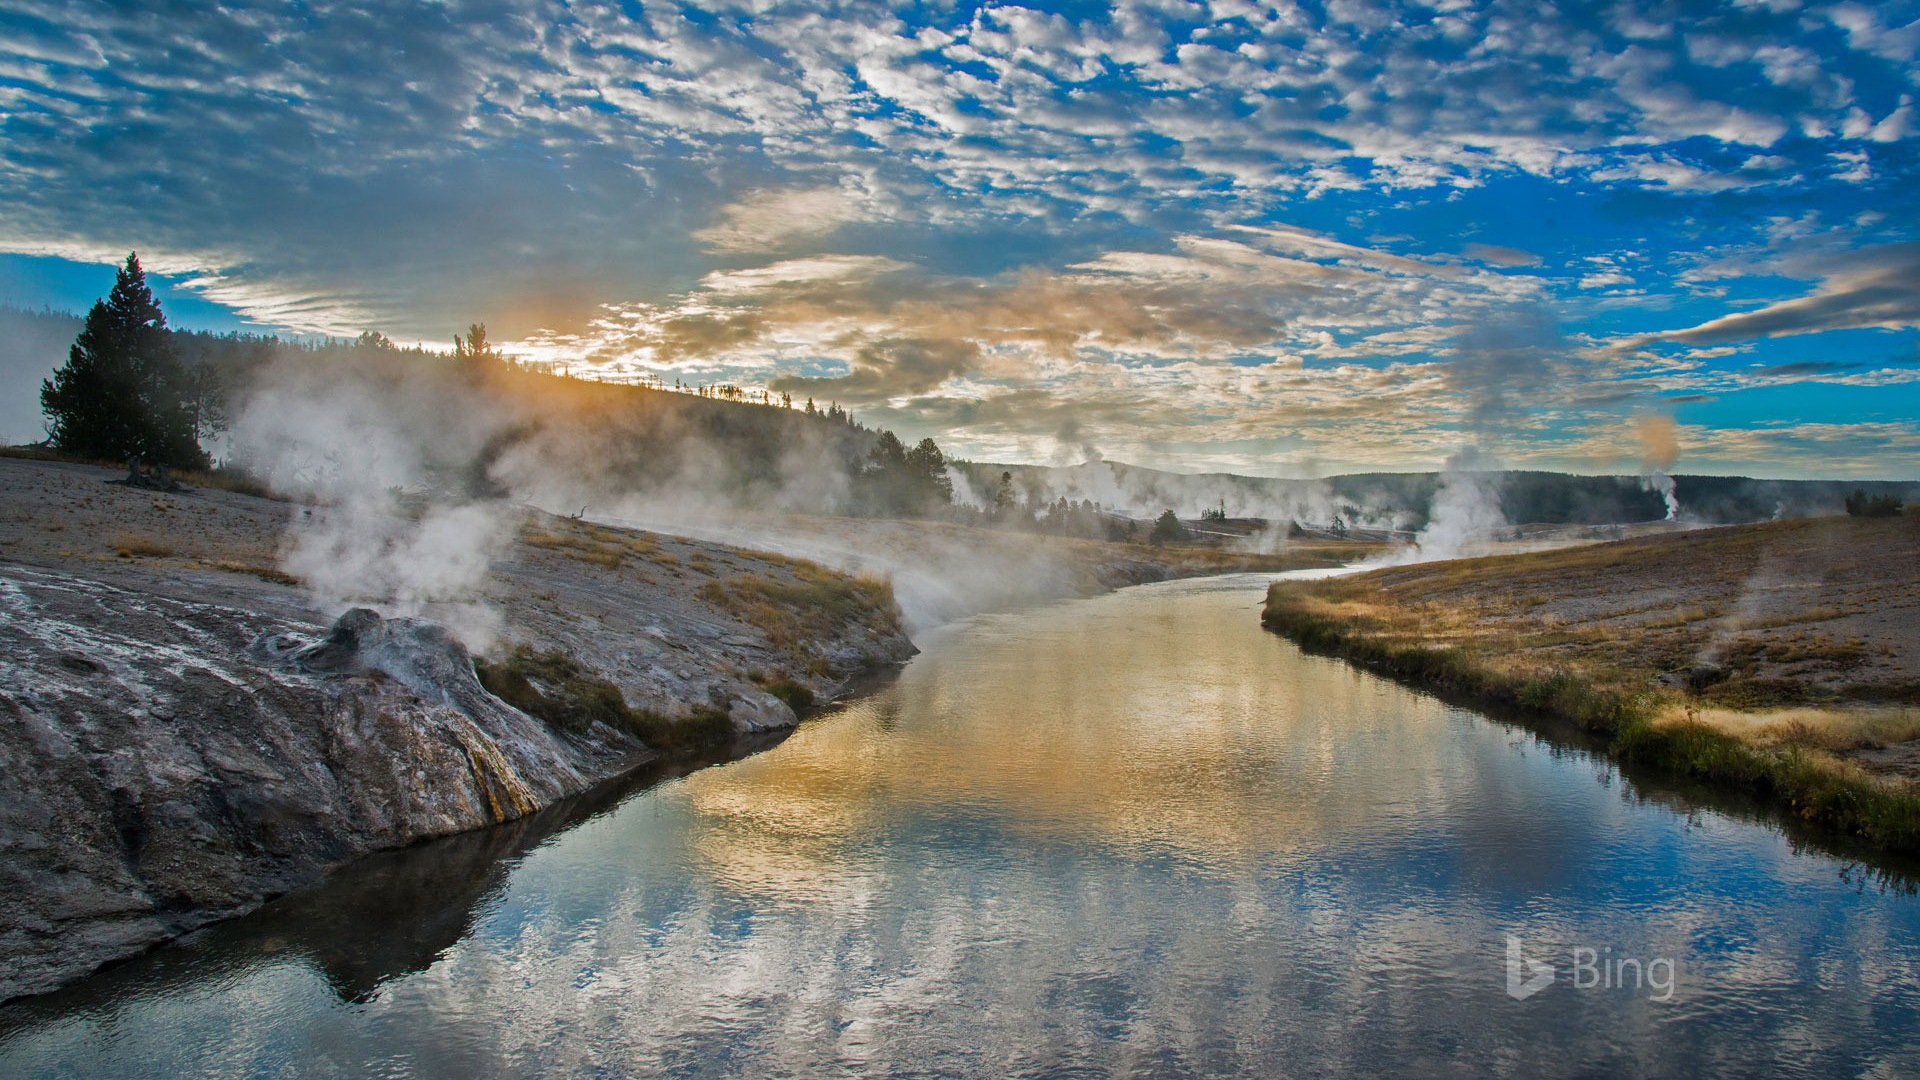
[{"x": 1279, "y": 239}]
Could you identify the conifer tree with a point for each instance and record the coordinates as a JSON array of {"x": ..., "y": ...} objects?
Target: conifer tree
[
  {"x": 928, "y": 468},
  {"x": 1167, "y": 527},
  {"x": 123, "y": 392}
]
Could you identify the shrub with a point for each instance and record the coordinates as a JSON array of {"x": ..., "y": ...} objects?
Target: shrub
[
  {"x": 796, "y": 695},
  {"x": 1167, "y": 527},
  {"x": 1861, "y": 504}
]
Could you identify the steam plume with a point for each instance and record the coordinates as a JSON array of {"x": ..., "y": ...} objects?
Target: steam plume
[
  {"x": 1659, "y": 449},
  {"x": 389, "y": 523}
]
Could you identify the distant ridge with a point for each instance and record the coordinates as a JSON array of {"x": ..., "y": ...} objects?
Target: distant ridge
[{"x": 1403, "y": 500}]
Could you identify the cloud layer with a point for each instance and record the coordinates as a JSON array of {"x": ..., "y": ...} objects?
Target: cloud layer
[{"x": 1264, "y": 236}]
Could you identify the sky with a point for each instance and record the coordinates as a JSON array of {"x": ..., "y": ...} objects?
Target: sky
[{"x": 1290, "y": 239}]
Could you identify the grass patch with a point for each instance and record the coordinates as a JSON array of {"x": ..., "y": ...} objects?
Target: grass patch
[
  {"x": 264, "y": 573},
  {"x": 1817, "y": 787},
  {"x": 815, "y": 603},
  {"x": 131, "y": 545},
  {"x": 1786, "y": 757},
  {"x": 569, "y": 698},
  {"x": 585, "y": 543},
  {"x": 797, "y": 695}
]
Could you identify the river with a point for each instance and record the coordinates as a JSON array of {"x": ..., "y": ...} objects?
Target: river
[{"x": 1129, "y": 835}]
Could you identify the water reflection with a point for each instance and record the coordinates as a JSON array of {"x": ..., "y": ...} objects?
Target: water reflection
[{"x": 1129, "y": 835}]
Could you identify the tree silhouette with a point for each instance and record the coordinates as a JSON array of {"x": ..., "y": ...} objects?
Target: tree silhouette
[
  {"x": 1003, "y": 497},
  {"x": 1861, "y": 504},
  {"x": 123, "y": 392},
  {"x": 896, "y": 481},
  {"x": 474, "y": 352},
  {"x": 1167, "y": 527},
  {"x": 928, "y": 467}
]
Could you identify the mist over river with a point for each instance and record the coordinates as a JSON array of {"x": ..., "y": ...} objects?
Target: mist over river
[{"x": 1131, "y": 835}]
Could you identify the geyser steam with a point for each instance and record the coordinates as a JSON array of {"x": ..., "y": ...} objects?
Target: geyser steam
[
  {"x": 395, "y": 521},
  {"x": 1659, "y": 449}
]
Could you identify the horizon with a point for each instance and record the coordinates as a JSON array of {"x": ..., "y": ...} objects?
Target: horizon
[
  {"x": 1261, "y": 242},
  {"x": 1437, "y": 468}
]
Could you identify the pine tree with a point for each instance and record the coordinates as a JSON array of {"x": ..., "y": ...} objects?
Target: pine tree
[
  {"x": 474, "y": 353},
  {"x": 123, "y": 392},
  {"x": 1003, "y": 498},
  {"x": 928, "y": 468},
  {"x": 1167, "y": 527}
]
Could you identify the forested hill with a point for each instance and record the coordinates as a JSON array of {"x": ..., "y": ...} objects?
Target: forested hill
[{"x": 710, "y": 443}]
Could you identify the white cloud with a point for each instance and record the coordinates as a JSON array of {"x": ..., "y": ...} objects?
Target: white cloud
[{"x": 769, "y": 220}]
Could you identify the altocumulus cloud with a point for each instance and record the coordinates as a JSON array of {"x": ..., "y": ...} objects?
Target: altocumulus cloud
[{"x": 988, "y": 220}]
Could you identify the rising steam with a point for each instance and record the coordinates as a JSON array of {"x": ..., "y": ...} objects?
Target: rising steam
[
  {"x": 392, "y": 520},
  {"x": 1659, "y": 449}
]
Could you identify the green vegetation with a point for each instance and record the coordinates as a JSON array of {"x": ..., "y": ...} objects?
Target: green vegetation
[
  {"x": 1813, "y": 785},
  {"x": 1167, "y": 527},
  {"x": 1861, "y": 504},
  {"x": 123, "y": 393},
  {"x": 894, "y": 481},
  {"x": 797, "y": 696},
  {"x": 555, "y": 689}
]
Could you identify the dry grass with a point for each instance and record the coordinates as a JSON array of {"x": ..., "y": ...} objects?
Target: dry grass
[
  {"x": 132, "y": 545},
  {"x": 1754, "y": 667},
  {"x": 1836, "y": 731},
  {"x": 595, "y": 544},
  {"x": 264, "y": 573},
  {"x": 809, "y": 605}
]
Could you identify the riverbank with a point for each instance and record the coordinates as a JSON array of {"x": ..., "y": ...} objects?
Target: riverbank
[
  {"x": 186, "y": 731},
  {"x": 1780, "y": 659},
  {"x": 184, "y": 734}
]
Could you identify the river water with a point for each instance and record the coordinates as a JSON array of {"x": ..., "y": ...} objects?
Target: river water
[{"x": 1131, "y": 835}]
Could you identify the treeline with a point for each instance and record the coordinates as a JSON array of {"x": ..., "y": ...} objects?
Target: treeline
[
  {"x": 1011, "y": 505},
  {"x": 894, "y": 481}
]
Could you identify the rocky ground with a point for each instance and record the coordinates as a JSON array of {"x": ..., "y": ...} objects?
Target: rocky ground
[{"x": 183, "y": 734}]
